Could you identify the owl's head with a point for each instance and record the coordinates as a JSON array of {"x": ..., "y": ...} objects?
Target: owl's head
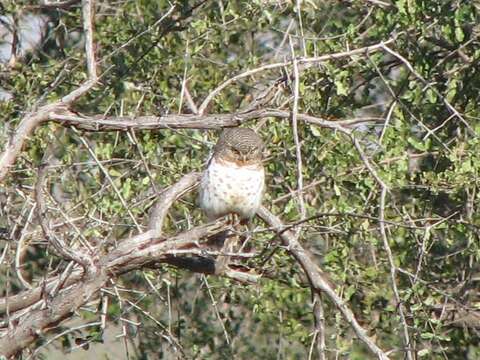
[{"x": 239, "y": 145}]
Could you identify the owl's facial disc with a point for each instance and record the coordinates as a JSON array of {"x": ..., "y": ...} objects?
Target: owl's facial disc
[{"x": 240, "y": 156}]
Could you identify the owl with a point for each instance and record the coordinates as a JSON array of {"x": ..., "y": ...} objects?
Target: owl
[{"x": 234, "y": 180}]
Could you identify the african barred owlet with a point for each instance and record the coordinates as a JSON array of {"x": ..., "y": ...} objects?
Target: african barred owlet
[{"x": 234, "y": 179}]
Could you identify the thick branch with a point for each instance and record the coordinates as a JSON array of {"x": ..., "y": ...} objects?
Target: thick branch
[
  {"x": 133, "y": 253},
  {"x": 60, "y": 307},
  {"x": 30, "y": 297},
  {"x": 166, "y": 199},
  {"x": 191, "y": 121}
]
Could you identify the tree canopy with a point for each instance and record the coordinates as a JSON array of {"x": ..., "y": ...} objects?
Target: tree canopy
[{"x": 367, "y": 245}]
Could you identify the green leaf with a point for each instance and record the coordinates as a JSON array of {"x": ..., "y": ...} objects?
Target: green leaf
[
  {"x": 424, "y": 352},
  {"x": 459, "y": 34},
  {"x": 427, "y": 336}
]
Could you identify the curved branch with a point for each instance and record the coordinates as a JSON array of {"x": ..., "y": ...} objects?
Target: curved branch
[
  {"x": 60, "y": 247},
  {"x": 166, "y": 199},
  {"x": 25, "y": 128},
  {"x": 133, "y": 253},
  {"x": 38, "y": 116},
  {"x": 302, "y": 61}
]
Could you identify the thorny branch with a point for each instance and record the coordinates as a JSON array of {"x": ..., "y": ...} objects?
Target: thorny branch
[
  {"x": 139, "y": 251},
  {"x": 189, "y": 121}
]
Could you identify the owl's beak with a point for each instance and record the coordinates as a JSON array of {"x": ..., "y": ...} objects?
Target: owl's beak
[{"x": 244, "y": 158}]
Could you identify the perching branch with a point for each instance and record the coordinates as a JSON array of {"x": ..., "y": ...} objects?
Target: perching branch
[{"x": 148, "y": 249}]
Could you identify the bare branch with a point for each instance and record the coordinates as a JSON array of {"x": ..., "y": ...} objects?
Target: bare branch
[
  {"x": 25, "y": 128},
  {"x": 319, "y": 334},
  {"x": 134, "y": 253},
  {"x": 57, "y": 309},
  {"x": 57, "y": 112},
  {"x": 69, "y": 294},
  {"x": 109, "y": 178},
  {"x": 298, "y": 149},
  {"x": 304, "y": 61},
  {"x": 88, "y": 16},
  {"x": 318, "y": 280},
  {"x": 192, "y": 121},
  {"x": 55, "y": 4},
  {"x": 320, "y": 325},
  {"x": 30, "y": 297},
  {"x": 393, "y": 275},
  {"x": 166, "y": 199},
  {"x": 384, "y": 190}
]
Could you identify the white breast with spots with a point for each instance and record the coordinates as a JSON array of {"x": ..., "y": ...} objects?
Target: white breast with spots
[{"x": 228, "y": 188}]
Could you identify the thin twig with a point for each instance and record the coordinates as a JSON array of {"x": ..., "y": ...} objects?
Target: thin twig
[
  {"x": 319, "y": 334},
  {"x": 88, "y": 10},
  {"x": 217, "y": 313},
  {"x": 393, "y": 276},
  {"x": 428, "y": 85},
  {"x": 60, "y": 335},
  {"x": 19, "y": 251},
  {"x": 109, "y": 178},
  {"x": 367, "y": 163},
  {"x": 298, "y": 149},
  {"x": 300, "y": 25},
  {"x": 58, "y": 245}
]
